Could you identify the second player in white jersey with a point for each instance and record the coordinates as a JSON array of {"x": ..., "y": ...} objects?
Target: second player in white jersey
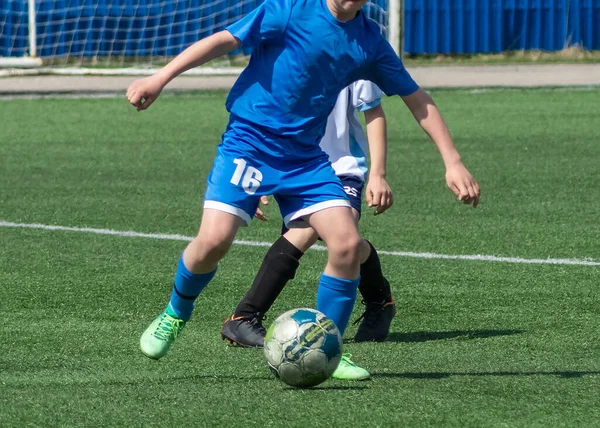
[
  {"x": 345, "y": 141},
  {"x": 346, "y": 144}
]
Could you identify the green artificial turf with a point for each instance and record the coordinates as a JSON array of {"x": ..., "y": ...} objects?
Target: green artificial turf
[{"x": 475, "y": 343}]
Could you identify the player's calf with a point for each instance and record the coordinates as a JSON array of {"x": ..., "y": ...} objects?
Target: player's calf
[{"x": 337, "y": 288}]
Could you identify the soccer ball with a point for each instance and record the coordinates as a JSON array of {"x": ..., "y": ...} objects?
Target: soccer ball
[{"x": 303, "y": 347}]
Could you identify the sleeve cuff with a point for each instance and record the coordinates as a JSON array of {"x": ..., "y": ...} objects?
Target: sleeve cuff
[{"x": 368, "y": 106}]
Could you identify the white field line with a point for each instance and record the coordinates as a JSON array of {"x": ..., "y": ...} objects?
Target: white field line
[{"x": 132, "y": 234}]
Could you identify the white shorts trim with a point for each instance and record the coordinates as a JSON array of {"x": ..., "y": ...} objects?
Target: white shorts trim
[
  {"x": 313, "y": 209},
  {"x": 220, "y": 206}
]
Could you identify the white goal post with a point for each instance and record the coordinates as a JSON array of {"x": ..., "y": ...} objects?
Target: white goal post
[{"x": 110, "y": 37}]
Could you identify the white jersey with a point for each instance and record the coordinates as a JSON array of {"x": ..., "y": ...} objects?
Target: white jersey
[{"x": 345, "y": 141}]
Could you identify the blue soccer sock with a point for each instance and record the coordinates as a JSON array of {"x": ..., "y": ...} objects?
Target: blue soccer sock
[
  {"x": 186, "y": 288},
  {"x": 336, "y": 297}
]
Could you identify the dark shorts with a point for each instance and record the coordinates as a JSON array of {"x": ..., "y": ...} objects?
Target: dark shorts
[{"x": 353, "y": 186}]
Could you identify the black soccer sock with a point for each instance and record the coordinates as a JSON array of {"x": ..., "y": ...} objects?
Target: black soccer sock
[
  {"x": 278, "y": 267},
  {"x": 373, "y": 286}
]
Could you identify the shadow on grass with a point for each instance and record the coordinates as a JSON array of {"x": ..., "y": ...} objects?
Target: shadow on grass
[
  {"x": 87, "y": 380},
  {"x": 328, "y": 388},
  {"x": 443, "y": 375},
  {"x": 427, "y": 336}
]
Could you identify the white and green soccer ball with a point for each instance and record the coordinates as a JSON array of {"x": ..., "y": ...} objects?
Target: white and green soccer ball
[{"x": 303, "y": 347}]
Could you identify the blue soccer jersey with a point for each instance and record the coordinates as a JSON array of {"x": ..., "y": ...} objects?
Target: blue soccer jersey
[{"x": 302, "y": 58}]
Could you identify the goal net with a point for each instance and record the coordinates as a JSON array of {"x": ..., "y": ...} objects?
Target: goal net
[{"x": 122, "y": 33}]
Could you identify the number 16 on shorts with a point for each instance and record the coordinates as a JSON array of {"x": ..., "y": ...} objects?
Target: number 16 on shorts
[{"x": 249, "y": 176}]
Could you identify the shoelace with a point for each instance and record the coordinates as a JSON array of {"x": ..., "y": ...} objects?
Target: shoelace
[
  {"x": 371, "y": 314},
  {"x": 347, "y": 358},
  {"x": 168, "y": 327},
  {"x": 256, "y": 324}
]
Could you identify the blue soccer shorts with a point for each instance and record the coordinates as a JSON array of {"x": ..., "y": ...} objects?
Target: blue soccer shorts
[
  {"x": 239, "y": 178},
  {"x": 353, "y": 186}
]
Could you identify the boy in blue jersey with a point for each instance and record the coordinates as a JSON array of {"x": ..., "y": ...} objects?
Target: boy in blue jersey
[
  {"x": 304, "y": 53},
  {"x": 346, "y": 146}
]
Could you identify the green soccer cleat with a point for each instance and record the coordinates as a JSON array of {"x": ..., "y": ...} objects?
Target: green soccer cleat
[
  {"x": 348, "y": 370},
  {"x": 158, "y": 337}
]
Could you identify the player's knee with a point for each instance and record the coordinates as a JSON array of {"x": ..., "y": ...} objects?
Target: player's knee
[
  {"x": 210, "y": 249},
  {"x": 217, "y": 251},
  {"x": 346, "y": 251}
]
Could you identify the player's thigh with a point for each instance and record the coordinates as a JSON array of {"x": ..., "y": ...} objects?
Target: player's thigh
[
  {"x": 305, "y": 237},
  {"x": 218, "y": 227},
  {"x": 336, "y": 226},
  {"x": 302, "y": 237},
  {"x": 312, "y": 187}
]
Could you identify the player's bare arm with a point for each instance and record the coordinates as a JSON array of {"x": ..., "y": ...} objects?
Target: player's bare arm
[
  {"x": 458, "y": 178},
  {"x": 143, "y": 92},
  {"x": 378, "y": 192}
]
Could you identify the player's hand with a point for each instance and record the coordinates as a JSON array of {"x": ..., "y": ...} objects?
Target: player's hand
[
  {"x": 462, "y": 183},
  {"x": 379, "y": 194},
  {"x": 259, "y": 214},
  {"x": 143, "y": 92}
]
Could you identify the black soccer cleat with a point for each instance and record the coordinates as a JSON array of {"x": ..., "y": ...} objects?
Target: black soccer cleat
[
  {"x": 244, "y": 332},
  {"x": 376, "y": 320}
]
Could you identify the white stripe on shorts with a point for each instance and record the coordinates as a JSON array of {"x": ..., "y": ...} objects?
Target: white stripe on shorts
[
  {"x": 313, "y": 209},
  {"x": 220, "y": 206}
]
